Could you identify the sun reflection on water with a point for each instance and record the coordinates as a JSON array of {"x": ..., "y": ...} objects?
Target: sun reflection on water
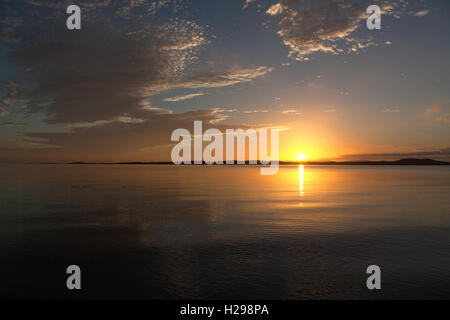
[{"x": 301, "y": 170}]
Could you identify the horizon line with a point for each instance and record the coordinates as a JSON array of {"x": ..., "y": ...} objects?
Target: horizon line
[{"x": 401, "y": 161}]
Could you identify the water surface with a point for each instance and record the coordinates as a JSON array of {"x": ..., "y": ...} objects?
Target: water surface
[{"x": 210, "y": 232}]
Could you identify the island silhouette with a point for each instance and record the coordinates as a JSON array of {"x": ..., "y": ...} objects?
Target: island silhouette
[{"x": 401, "y": 162}]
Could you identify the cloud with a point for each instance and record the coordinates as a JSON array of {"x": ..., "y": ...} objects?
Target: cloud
[
  {"x": 431, "y": 110},
  {"x": 219, "y": 116},
  {"x": 3, "y": 112},
  {"x": 14, "y": 124},
  {"x": 26, "y": 146},
  {"x": 325, "y": 26},
  {"x": 63, "y": 5},
  {"x": 439, "y": 112},
  {"x": 97, "y": 82},
  {"x": 84, "y": 79},
  {"x": 20, "y": 18},
  {"x": 185, "y": 97},
  {"x": 247, "y": 2},
  {"x": 224, "y": 110},
  {"x": 11, "y": 93},
  {"x": 421, "y": 13},
  {"x": 188, "y": 37},
  {"x": 275, "y": 9},
  {"x": 291, "y": 112},
  {"x": 111, "y": 67},
  {"x": 131, "y": 8},
  {"x": 231, "y": 77},
  {"x": 255, "y": 111},
  {"x": 121, "y": 56},
  {"x": 145, "y": 105},
  {"x": 93, "y": 143},
  {"x": 268, "y": 126},
  {"x": 7, "y": 29},
  {"x": 445, "y": 118},
  {"x": 329, "y": 110},
  {"x": 443, "y": 153},
  {"x": 390, "y": 110}
]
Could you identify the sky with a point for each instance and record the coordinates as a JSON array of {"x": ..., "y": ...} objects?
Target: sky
[{"x": 137, "y": 70}]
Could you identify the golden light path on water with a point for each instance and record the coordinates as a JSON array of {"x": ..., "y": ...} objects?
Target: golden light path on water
[{"x": 301, "y": 171}]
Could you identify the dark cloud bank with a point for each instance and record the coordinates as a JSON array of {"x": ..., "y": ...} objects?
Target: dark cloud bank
[{"x": 97, "y": 81}]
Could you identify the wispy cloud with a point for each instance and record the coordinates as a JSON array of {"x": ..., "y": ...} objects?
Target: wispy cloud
[
  {"x": 185, "y": 97},
  {"x": 291, "y": 112},
  {"x": 443, "y": 153},
  {"x": 145, "y": 105},
  {"x": 267, "y": 126},
  {"x": 93, "y": 141},
  {"x": 445, "y": 118},
  {"x": 11, "y": 93},
  {"x": 432, "y": 110},
  {"x": 421, "y": 13},
  {"x": 3, "y": 112},
  {"x": 390, "y": 110},
  {"x": 438, "y": 112},
  {"x": 231, "y": 77},
  {"x": 14, "y": 124},
  {"x": 247, "y": 2},
  {"x": 255, "y": 111}
]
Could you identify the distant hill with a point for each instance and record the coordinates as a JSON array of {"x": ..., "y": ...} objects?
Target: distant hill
[
  {"x": 421, "y": 162},
  {"x": 401, "y": 162}
]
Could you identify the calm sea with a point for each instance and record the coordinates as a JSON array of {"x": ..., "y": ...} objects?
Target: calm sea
[{"x": 155, "y": 231}]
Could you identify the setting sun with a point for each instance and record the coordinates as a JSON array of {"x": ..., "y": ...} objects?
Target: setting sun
[{"x": 301, "y": 156}]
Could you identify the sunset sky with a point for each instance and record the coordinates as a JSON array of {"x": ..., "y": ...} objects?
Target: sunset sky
[{"x": 137, "y": 70}]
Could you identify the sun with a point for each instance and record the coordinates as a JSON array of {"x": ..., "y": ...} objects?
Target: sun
[{"x": 301, "y": 156}]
